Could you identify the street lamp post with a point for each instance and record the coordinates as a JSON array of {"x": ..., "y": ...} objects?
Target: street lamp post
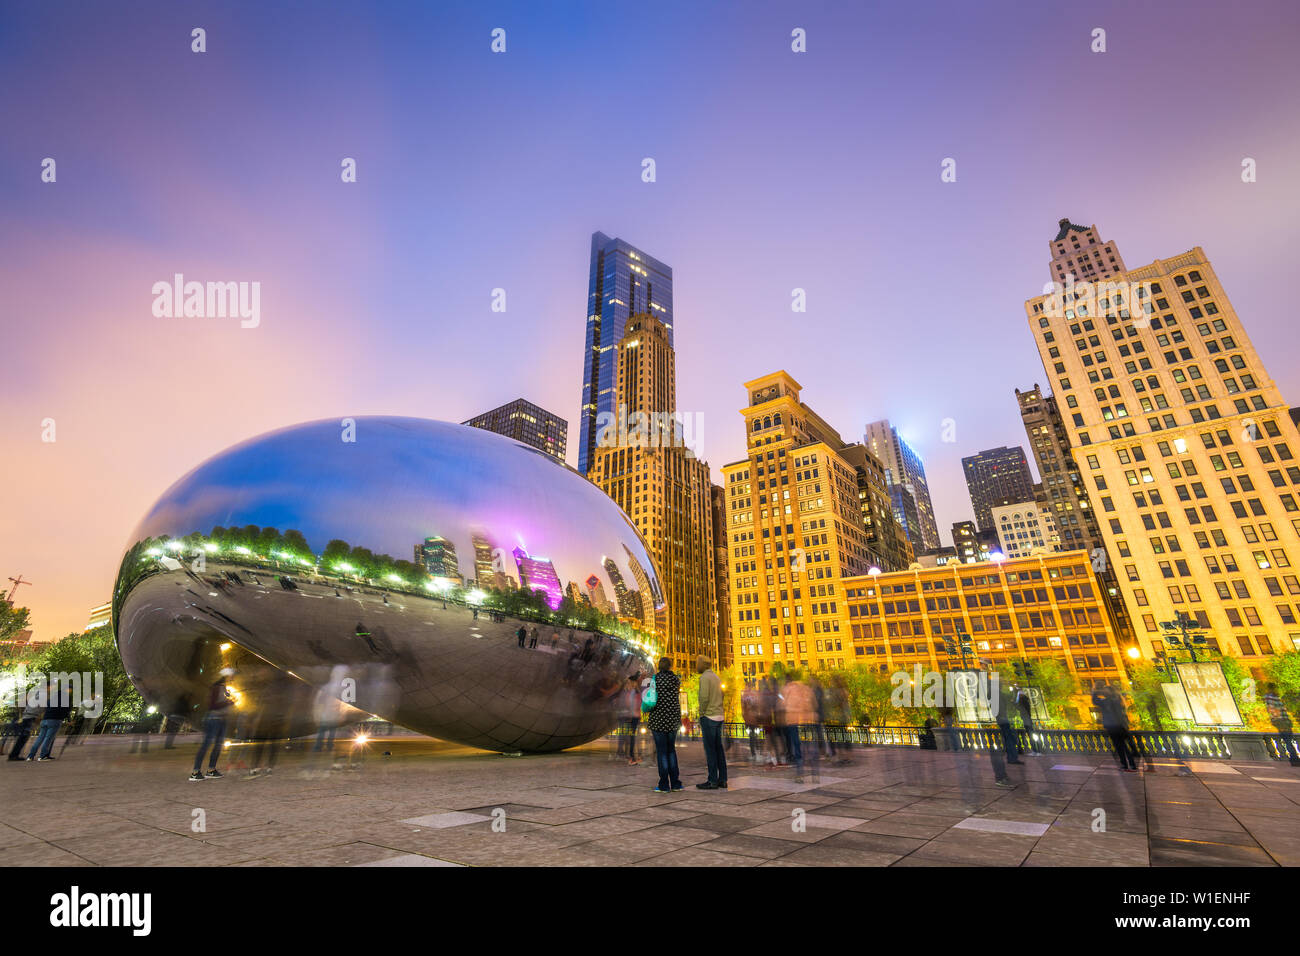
[{"x": 1184, "y": 631}]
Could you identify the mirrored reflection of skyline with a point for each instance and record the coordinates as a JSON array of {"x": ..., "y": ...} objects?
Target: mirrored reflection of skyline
[{"x": 466, "y": 505}]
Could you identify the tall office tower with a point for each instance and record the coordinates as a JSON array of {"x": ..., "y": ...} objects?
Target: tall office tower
[
  {"x": 531, "y": 424},
  {"x": 538, "y": 574},
  {"x": 903, "y": 467},
  {"x": 1063, "y": 491},
  {"x": 1188, "y": 449},
  {"x": 641, "y": 462},
  {"x": 624, "y": 281},
  {"x": 721, "y": 577},
  {"x": 1080, "y": 255},
  {"x": 437, "y": 556},
  {"x": 797, "y": 511},
  {"x": 997, "y": 476}
]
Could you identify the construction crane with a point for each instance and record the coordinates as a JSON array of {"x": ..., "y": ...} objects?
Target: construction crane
[{"x": 16, "y": 581}]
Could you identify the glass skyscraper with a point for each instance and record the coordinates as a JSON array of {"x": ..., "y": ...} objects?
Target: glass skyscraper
[{"x": 624, "y": 281}]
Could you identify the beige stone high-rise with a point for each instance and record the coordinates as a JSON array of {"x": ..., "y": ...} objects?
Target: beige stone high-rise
[
  {"x": 641, "y": 462},
  {"x": 1184, "y": 443},
  {"x": 804, "y": 511}
]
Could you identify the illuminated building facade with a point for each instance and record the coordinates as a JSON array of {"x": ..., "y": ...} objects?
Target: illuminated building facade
[
  {"x": 721, "y": 577},
  {"x": 1025, "y": 528},
  {"x": 1049, "y": 606},
  {"x": 531, "y": 424},
  {"x": 538, "y": 574},
  {"x": 642, "y": 463},
  {"x": 804, "y": 511},
  {"x": 437, "y": 556},
  {"x": 1184, "y": 442},
  {"x": 1063, "y": 492}
]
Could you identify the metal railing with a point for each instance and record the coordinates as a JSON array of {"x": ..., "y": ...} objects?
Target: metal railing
[{"x": 1207, "y": 745}]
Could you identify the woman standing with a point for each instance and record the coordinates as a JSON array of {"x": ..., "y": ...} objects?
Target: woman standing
[{"x": 665, "y": 719}]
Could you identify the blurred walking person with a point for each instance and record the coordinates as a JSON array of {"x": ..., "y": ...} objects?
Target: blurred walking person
[
  {"x": 665, "y": 719},
  {"x": 712, "y": 714},
  {"x": 750, "y": 713},
  {"x": 770, "y": 701},
  {"x": 800, "y": 715},
  {"x": 53, "y": 719},
  {"x": 629, "y": 720},
  {"x": 838, "y": 716},
  {"x": 23, "y": 731},
  {"x": 1114, "y": 720}
]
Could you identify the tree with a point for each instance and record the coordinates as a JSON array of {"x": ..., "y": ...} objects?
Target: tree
[
  {"x": 1146, "y": 682},
  {"x": 93, "y": 652},
  {"x": 1284, "y": 671},
  {"x": 12, "y": 620}
]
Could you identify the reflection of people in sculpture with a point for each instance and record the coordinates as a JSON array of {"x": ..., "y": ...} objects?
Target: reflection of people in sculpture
[{"x": 364, "y": 635}]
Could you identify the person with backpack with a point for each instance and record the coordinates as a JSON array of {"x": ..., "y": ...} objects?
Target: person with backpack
[{"x": 662, "y": 703}]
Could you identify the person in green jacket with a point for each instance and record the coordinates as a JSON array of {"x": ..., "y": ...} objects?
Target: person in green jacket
[{"x": 711, "y": 717}]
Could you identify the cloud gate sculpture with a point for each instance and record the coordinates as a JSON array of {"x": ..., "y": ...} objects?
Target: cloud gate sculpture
[{"x": 385, "y": 566}]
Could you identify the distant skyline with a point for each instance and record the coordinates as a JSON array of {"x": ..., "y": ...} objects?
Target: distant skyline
[{"x": 479, "y": 171}]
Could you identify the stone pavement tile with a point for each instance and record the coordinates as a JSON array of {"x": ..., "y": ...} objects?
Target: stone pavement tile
[
  {"x": 1118, "y": 819},
  {"x": 442, "y": 821},
  {"x": 858, "y": 813},
  {"x": 781, "y": 861},
  {"x": 409, "y": 859},
  {"x": 763, "y": 812},
  {"x": 764, "y": 848},
  {"x": 1233, "y": 837},
  {"x": 914, "y": 860},
  {"x": 783, "y": 830},
  {"x": 971, "y": 846},
  {"x": 149, "y": 847},
  {"x": 9, "y": 836},
  {"x": 346, "y": 854},
  {"x": 550, "y": 817},
  {"x": 40, "y": 854},
  {"x": 695, "y": 856},
  {"x": 895, "y": 824},
  {"x": 264, "y": 861},
  {"x": 1165, "y": 852},
  {"x": 633, "y": 847},
  {"x": 685, "y": 834},
  {"x": 874, "y": 842},
  {"x": 272, "y": 838},
  {"x": 1041, "y": 858},
  {"x": 996, "y": 825},
  {"x": 593, "y": 828},
  {"x": 1086, "y": 847},
  {"x": 55, "y": 825},
  {"x": 720, "y": 823},
  {"x": 822, "y": 855}
]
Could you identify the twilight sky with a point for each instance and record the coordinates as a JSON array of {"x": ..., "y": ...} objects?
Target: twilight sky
[{"x": 478, "y": 171}]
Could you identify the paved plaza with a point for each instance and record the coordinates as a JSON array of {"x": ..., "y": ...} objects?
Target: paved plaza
[{"x": 427, "y": 803}]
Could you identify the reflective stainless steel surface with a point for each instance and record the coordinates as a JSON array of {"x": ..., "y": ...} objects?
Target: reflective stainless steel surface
[{"x": 326, "y": 569}]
